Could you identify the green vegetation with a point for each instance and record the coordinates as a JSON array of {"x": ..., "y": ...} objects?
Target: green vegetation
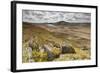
[
  {"x": 25, "y": 56},
  {"x": 56, "y": 51},
  {"x": 39, "y": 56}
]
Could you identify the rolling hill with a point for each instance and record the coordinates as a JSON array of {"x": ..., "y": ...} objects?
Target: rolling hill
[{"x": 60, "y": 41}]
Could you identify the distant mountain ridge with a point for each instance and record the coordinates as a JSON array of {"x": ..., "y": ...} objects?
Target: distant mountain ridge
[
  {"x": 61, "y": 23},
  {"x": 71, "y": 24},
  {"x": 64, "y": 23}
]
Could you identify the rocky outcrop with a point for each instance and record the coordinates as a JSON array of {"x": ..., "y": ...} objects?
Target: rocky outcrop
[
  {"x": 67, "y": 49},
  {"x": 50, "y": 55},
  {"x": 46, "y": 52}
]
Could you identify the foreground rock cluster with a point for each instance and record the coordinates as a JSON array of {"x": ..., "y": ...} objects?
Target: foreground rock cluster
[{"x": 46, "y": 52}]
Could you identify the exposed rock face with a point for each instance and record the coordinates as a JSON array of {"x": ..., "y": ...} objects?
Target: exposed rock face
[
  {"x": 50, "y": 56},
  {"x": 49, "y": 53},
  {"x": 67, "y": 49},
  {"x": 29, "y": 49},
  {"x": 54, "y": 52}
]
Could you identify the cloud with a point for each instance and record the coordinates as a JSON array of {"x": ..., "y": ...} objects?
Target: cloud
[{"x": 36, "y": 16}]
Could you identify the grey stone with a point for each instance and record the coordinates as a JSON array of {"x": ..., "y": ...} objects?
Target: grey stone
[{"x": 67, "y": 49}]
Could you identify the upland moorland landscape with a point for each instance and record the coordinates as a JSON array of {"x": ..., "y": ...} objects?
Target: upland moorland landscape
[{"x": 56, "y": 41}]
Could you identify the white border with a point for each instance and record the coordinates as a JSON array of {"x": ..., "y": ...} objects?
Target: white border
[{"x": 21, "y": 65}]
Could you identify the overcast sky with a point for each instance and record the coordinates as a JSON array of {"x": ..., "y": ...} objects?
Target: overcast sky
[{"x": 36, "y": 16}]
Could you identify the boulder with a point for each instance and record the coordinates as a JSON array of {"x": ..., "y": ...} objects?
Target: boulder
[
  {"x": 50, "y": 55},
  {"x": 67, "y": 49}
]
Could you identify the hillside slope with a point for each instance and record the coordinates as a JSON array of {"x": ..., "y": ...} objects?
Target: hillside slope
[{"x": 43, "y": 43}]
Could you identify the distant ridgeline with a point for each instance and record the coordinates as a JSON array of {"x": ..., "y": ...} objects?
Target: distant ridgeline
[{"x": 63, "y": 23}]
